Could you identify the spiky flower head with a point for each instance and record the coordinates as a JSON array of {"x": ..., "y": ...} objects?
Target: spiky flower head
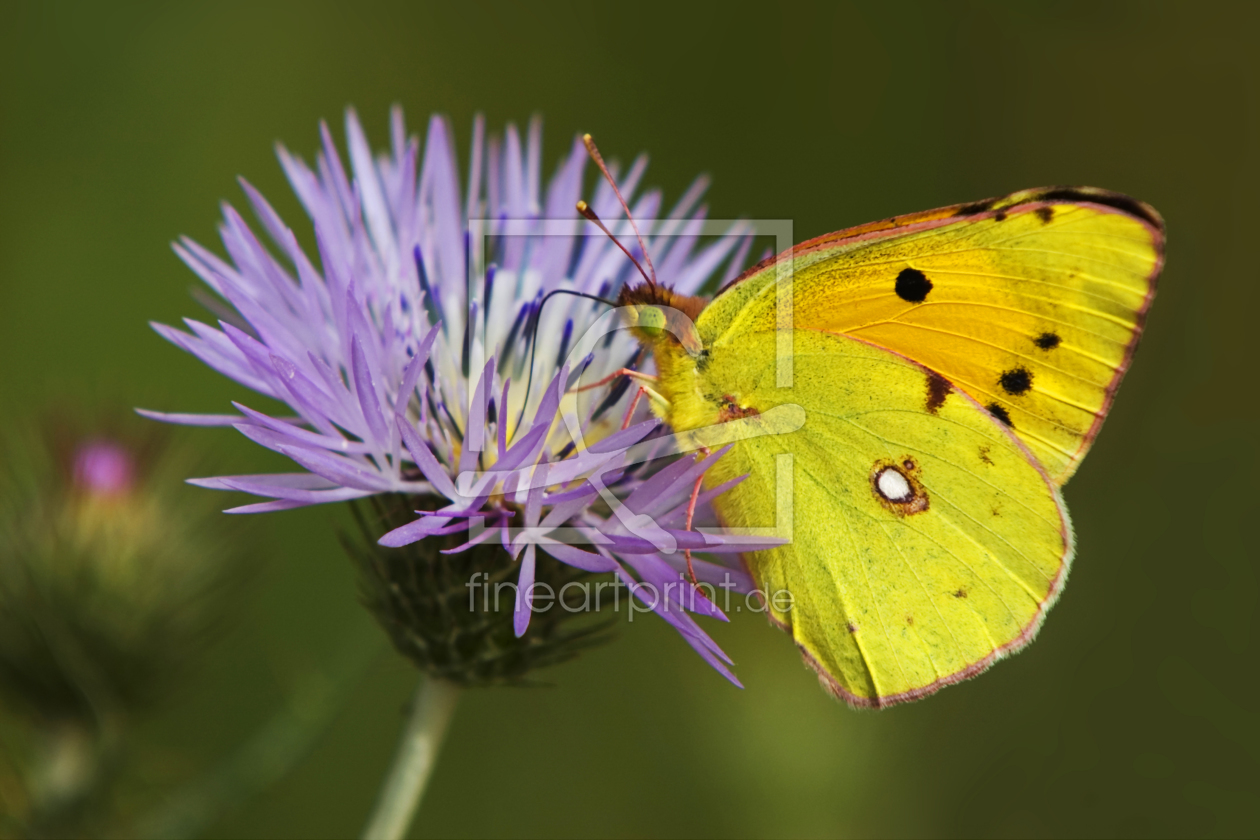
[{"x": 418, "y": 358}]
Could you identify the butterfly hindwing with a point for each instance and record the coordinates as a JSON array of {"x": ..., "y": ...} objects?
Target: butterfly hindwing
[
  {"x": 899, "y": 583},
  {"x": 1032, "y": 304}
]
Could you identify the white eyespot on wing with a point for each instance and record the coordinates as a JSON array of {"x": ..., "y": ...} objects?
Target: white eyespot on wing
[
  {"x": 892, "y": 485},
  {"x": 896, "y": 485}
]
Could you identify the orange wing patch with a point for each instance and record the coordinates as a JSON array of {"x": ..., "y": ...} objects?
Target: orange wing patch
[{"x": 1032, "y": 304}]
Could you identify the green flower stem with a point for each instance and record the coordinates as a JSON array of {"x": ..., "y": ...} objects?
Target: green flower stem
[
  {"x": 277, "y": 747},
  {"x": 417, "y": 750}
]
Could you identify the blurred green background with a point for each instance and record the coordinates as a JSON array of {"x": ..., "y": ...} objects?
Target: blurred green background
[{"x": 1135, "y": 713}]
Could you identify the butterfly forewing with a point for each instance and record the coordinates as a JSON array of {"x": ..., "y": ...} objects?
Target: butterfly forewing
[{"x": 1031, "y": 304}]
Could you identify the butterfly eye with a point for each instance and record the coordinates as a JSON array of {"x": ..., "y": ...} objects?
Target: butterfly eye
[
  {"x": 660, "y": 320},
  {"x": 646, "y": 317}
]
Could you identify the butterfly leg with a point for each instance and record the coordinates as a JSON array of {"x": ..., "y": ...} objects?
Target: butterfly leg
[
  {"x": 691, "y": 515},
  {"x": 634, "y": 403},
  {"x": 633, "y": 374},
  {"x": 638, "y": 395}
]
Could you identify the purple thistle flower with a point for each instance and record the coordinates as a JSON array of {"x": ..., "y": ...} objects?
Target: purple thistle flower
[
  {"x": 417, "y": 359},
  {"x": 104, "y": 467}
]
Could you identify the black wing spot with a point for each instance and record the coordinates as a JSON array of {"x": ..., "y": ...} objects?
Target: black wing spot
[
  {"x": 1001, "y": 414},
  {"x": 851, "y": 627},
  {"x": 937, "y": 391},
  {"x": 1047, "y": 340},
  {"x": 975, "y": 207},
  {"x": 1000, "y": 216},
  {"x": 1016, "y": 382},
  {"x": 1108, "y": 199},
  {"x": 913, "y": 285},
  {"x": 1045, "y": 214},
  {"x": 961, "y": 593}
]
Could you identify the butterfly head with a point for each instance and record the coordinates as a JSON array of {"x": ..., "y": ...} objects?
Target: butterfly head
[{"x": 662, "y": 318}]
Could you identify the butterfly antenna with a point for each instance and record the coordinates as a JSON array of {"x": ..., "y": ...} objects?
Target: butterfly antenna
[
  {"x": 593, "y": 151},
  {"x": 533, "y": 340},
  {"x": 588, "y": 213}
]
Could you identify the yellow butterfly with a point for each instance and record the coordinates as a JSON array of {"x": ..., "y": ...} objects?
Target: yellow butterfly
[{"x": 954, "y": 366}]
